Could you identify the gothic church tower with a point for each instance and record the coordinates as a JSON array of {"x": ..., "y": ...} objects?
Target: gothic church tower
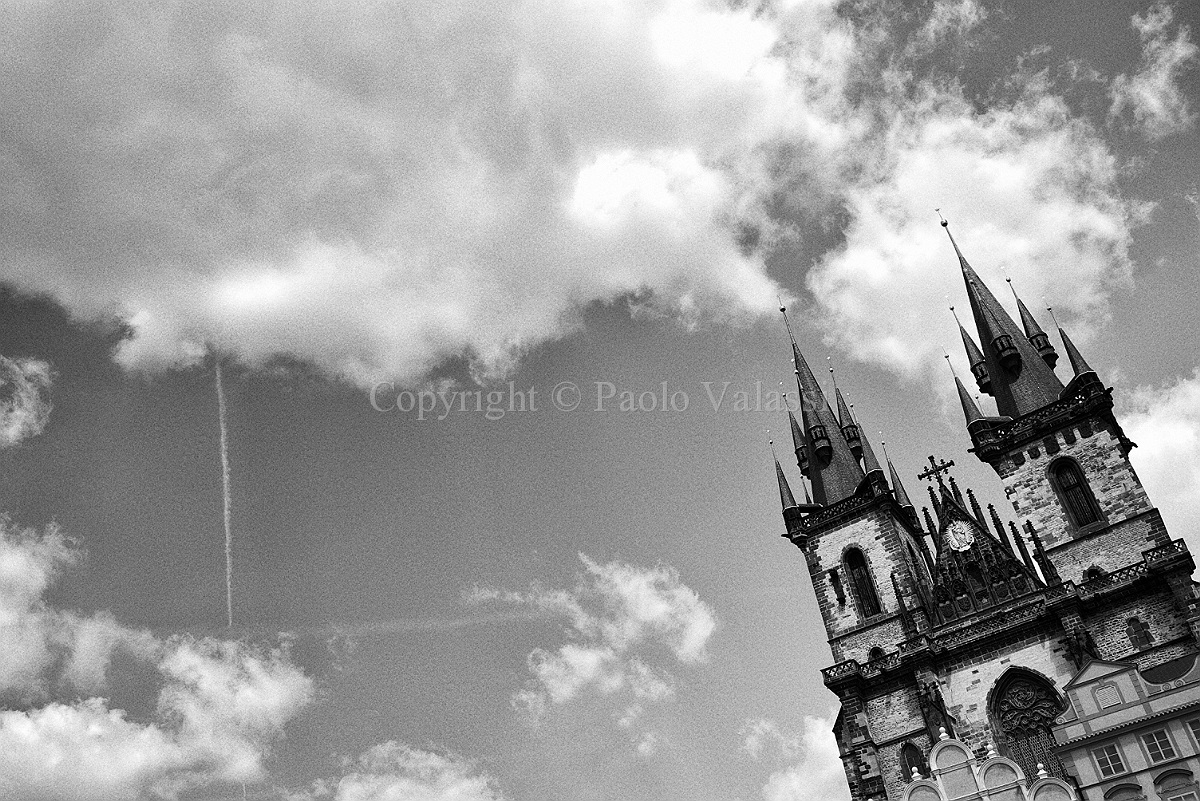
[{"x": 953, "y": 619}]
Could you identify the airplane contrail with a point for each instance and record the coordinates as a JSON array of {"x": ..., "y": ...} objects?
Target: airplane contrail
[
  {"x": 225, "y": 497},
  {"x": 368, "y": 628}
]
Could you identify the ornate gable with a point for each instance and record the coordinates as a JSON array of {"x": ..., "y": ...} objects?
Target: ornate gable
[{"x": 974, "y": 570}]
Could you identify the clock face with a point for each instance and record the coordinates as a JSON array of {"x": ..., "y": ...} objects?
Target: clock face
[{"x": 959, "y": 535}]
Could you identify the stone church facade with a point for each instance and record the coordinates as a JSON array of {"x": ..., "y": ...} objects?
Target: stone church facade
[{"x": 970, "y": 621}]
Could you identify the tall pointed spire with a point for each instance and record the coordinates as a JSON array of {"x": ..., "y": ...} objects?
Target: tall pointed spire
[
  {"x": 785, "y": 491},
  {"x": 832, "y": 469},
  {"x": 1021, "y": 381},
  {"x": 1033, "y": 332}
]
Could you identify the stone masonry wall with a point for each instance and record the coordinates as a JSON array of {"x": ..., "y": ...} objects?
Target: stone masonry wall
[
  {"x": 891, "y": 768},
  {"x": 1113, "y": 548},
  {"x": 1112, "y": 479},
  {"x": 1157, "y": 609},
  {"x": 878, "y": 535},
  {"x": 894, "y": 714},
  {"x": 967, "y": 681}
]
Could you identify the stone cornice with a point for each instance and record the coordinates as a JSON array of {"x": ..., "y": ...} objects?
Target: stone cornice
[{"x": 995, "y": 437}]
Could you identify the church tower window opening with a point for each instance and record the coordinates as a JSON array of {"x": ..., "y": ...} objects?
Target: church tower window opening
[
  {"x": 1139, "y": 633},
  {"x": 864, "y": 586},
  {"x": 1074, "y": 493},
  {"x": 911, "y": 757}
]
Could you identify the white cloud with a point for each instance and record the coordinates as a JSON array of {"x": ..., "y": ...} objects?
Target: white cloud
[
  {"x": 220, "y": 704},
  {"x": 1028, "y": 188},
  {"x": 24, "y": 399},
  {"x": 374, "y": 189},
  {"x": 816, "y": 774},
  {"x": 622, "y": 618},
  {"x": 394, "y": 772},
  {"x": 761, "y": 736},
  {"x": 1165, "y": 424},
  {"x": 1152, "y": 95}
]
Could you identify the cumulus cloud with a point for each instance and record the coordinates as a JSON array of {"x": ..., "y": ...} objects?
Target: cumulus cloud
[
  {"x": 220, "y": 704},
  {"x": 394, "y": 772},
  {"x": 24, "y": 399},
  {"x": 621, "y": 618},
  {"x": 815, "y": 772},
  {"x": 1028, "y": 186},
  {"x": 1165, "y": 423},
  {"x": 1151, "y": 95},
  {"x": 761, "y": 736},
  {"x": 375, "y": 188}
]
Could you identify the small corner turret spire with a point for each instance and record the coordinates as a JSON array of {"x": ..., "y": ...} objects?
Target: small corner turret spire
[
  {"x": 1079, "y": 366},
  {"x": 785, "y": 491},
  {"x": 974, "y": 357},
  {"x": 1033, "y": 332},
  {"x": 970, "y": 408},
  {"x": 850, "y": 430},
  {"x": 897, "y": 487},
  {"x": 798, "y": 439},
  {"x": 870, "y": 462},
  {"x": 873, "y": 471}
]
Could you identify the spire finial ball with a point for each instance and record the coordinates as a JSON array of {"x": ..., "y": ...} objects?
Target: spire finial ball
[
  {"x": 783, "y": 308},
  {"x": 945, "y": 224}
]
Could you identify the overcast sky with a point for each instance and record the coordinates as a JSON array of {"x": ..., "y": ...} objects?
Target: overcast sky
[{"x": 582, "y": 201}]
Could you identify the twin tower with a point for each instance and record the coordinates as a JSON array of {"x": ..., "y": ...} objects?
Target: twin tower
[{"x": 960, "y": 619}]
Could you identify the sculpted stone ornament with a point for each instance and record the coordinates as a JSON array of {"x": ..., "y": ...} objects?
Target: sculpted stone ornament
[
  {"x": 1027, "y": 708},
  {"x": 1026, "y": 712},
  {"x": 1081, "y": 646},
  {"x": 959, "y": 535}
]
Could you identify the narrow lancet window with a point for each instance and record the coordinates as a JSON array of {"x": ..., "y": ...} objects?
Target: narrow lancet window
[
  {"x": 1074, "y": 492},
  {"x": 860, "y": 580}
]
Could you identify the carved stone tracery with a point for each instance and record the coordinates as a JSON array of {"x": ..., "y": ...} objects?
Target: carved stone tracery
[{"x": 1025, "y": 713}]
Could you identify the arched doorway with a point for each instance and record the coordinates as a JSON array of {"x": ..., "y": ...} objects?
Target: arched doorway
[{"x": 1023, "y": 706}]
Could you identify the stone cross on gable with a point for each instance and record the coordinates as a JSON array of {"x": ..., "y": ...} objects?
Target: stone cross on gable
[{"x": 935, "y": 470}]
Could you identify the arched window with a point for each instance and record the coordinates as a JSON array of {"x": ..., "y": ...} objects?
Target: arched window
[
  {"x": 1138, "y": 632},
  {"x": 875, "y": 653},
  {"x": 1023, "y": 707},
  {"x": 1176, "y": 785},
  {"x": 860, "y": 580},
  {"x": 910, "y": 757},
  {"x": 1074, "y": 492}
]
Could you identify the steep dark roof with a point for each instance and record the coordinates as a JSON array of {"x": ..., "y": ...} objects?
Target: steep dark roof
[
  {"x": 1030, "y": 385},
  {"x": 839, "y": 477}
]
